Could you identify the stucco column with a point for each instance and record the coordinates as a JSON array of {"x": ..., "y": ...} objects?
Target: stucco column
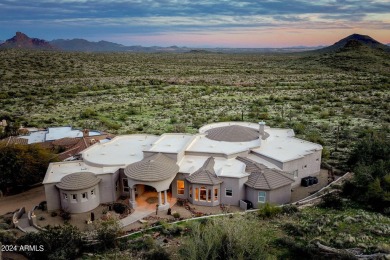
[
  {"x": 165, "y": 197},
  {"x": 132, "y": 201},
  {"x": 159, "y": 198}
]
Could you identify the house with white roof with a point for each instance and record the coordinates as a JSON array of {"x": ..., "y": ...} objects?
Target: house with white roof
[{"x": 223, "y": 164}]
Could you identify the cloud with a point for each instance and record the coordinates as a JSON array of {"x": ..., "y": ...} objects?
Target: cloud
[{"x": 146, "y": 17}]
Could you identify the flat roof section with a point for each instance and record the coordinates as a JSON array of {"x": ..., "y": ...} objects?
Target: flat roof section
[
  {"x": 57, "y": 171},
  {"x": 35, "y": 137},
  {"x": 171, "y": 143},
  {"x": 55, "y": 133},
  {"x": 202, "y": 144},
  {"x": 223, "y": 167},
  {"x": 284, "y": 149},
  {"x": 122, "y": 150}
]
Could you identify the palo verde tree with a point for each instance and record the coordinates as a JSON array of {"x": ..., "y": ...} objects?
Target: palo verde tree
[{"x": 23, "y": 165}]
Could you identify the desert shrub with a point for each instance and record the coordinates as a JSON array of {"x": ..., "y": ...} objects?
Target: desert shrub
[
  {"x": 176, "y": 215},
  {"x": 54, "y": 214},
  {"x": 107, "y": 232},
  {"x": 59, "y": 242},
  {"x": 268, "y": 211},
  {"x": 241, "y": 237},
  {"x": 6, "y": 237},
  {"x": 158, "y": 253},
  {"x": 65, "y": 215},
  {"x": 119, "y": 208},
  {"x": 332, "y": 200},
  {"x": 289, "y": 209}
]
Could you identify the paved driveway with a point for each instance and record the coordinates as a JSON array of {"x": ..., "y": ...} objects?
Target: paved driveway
[{"x": 26, "y": 199}]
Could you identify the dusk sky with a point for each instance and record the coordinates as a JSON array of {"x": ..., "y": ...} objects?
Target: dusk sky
[{"x": 198, "y": 23}]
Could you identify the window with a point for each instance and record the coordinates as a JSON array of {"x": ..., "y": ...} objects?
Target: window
[
  {"x": 261, "y": 198},
  {"x": 209, "y": 196},
  {"x": 196, "y": 194},
  {"x": 116, "y": 185},
  {"x": 295, "y": 174},
  {"x": 65, "y": 196},
  {"x": 215, "y": 194},
  {"x": 228, "y": 192},
  {"x": 190, "y": 191},
  {"x": 203, "y": 193},
  {"x": 84, "y": 196},
  {"x": 125, "y": 183},
  {"x": 74, "y": 197},
  {"x": 93, "y": 192},
  {"x": 180, "y": 187}
]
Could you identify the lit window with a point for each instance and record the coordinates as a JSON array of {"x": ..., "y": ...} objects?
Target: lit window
[
  {"x": 190, "y": 191},
  {"x": 261, "y": 197},
  {"x": 215, "y": 194},
  {"x": 209, "y": 196},
  {"x": 180, "y": 187},
  {"x": 65, "y": 196},
  {"x": 203, "y": 193},
  {"x": 74, "y": 196},
  {"x": 196, "y": 194},
  {"x": 125, "y": 185},
  {"x": 229, "y": 192}
]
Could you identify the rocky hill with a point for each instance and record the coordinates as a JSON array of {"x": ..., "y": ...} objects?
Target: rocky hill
[
  {"x": 355, "y": 41},
  {"x": 22, "y": 41}
]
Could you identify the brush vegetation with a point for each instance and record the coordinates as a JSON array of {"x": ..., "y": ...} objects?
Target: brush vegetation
[{"x": 315, "y": 94}]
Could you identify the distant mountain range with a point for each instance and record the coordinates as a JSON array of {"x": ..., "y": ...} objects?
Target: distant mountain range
[{"x": 21, "y": 40}]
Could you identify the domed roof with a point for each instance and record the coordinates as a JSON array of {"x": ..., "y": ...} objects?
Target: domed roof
[
  {"x": 78, "y": 181},
  {"x": 157, "y": 167},
  {"x": 233, "y": 133}
]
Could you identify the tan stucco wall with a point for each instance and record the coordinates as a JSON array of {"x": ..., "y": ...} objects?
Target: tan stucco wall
[
  {"x": 311, "y": 161},
  {"x": 52, "y": 197},
  {"x": 80, "y": 205},
  {"x": 237, "y": 184}
]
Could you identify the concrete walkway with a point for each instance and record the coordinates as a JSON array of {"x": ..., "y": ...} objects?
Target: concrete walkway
[
  {"x": 25, "y": 225},
  {"x": 137, "y": 215}
]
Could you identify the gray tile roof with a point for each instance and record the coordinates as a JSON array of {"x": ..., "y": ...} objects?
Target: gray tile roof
[
  {"x": 205, "y": 174},
  {"x": 78, "y": 181},
  {"x": 156, "y": 167},
  {"x": 264, "y": 178},
  {"x": 233, "y": 133}
]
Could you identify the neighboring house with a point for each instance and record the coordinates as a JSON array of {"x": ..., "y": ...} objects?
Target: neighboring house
[{"x": 225, "y": 163}]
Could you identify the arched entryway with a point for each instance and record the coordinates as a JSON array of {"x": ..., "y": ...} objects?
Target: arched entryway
[
  {"x": 146, "y": 196},
  {"x": 156, "y": 171}
]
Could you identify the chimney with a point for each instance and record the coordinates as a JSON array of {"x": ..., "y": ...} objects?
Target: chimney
[
  {"x": 85, "y": 133},
  {"x": 261, "y": 128}
]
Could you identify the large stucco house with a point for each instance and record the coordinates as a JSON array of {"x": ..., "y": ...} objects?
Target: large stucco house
[{"x": 224, "y": 163}]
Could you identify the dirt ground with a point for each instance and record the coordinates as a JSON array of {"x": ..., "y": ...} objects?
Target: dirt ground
[
  {"x": 27, "y": 199},
  {"x": 184, "y": 213}
]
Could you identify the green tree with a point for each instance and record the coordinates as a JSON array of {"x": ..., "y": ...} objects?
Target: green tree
[
  {"x": 59, "y": 242},
  {"x": 370, "y": 161},
  {"x": 23, "y": 165},
  {"x": 107, "y": 232}
]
